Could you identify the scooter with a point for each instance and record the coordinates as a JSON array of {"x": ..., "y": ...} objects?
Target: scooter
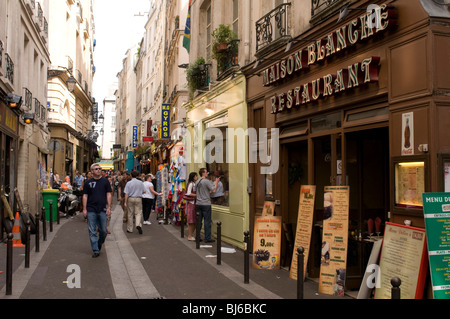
[{"x": 67, "y": 203}]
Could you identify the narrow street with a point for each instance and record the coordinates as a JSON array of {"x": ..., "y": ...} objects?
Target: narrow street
[{"x": 158, "y": 264}]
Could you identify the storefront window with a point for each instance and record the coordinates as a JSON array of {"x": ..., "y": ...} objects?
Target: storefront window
[
  {"x": 216, "y": 163},
  {"x": 447, "y": 176},
  {"x": 327, "y": 122},
  {"x": 409, "y": 184}
]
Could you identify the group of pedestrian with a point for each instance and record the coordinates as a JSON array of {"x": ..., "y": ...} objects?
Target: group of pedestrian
[
  {"x": 137, "y": 196},
  {"x": 200, "y": 189},
  {"x": 135, "y": 193}
]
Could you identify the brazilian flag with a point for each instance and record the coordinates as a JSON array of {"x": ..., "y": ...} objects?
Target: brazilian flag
[{"x": 187, "y": 30}]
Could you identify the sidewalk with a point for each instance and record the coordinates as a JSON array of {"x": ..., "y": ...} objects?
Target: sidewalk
[{"x": 157, "y": 264}]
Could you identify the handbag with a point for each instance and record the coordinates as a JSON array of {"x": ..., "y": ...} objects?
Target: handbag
[{"x": 189, "y": 197}]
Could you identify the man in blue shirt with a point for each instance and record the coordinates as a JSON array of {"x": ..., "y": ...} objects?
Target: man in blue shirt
[{"x": 97, "y": 199}]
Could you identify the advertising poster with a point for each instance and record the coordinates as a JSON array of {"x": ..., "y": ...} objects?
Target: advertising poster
[
  {"x": 304, "y": 227},
  {"x": 408, "y": 133},
  {"x": 333, "y": 259},
  {"x": 268, "y": 209},
  {"x": 267, "y": 242},
  {"x": 437, "y": 224},
  {"x": 403, "y": 255}
]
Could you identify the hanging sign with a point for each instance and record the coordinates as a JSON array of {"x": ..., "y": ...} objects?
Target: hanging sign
[
  {"x": 335, "y": 238},
  {"x": 304, "y": 227},
  {"x": 403, "y": 255},
  {"x": 165, "y": 123},
  {"x": 267, "y": 242},
  {"x": 135, "y": 136},
  {"x": 437, "y": 224}
]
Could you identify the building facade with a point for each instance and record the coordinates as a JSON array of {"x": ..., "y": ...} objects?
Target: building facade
[
  {"x": 24, "y": 59},
  {"x": 72, "y": 108},
  {"x": 357, "y": 104},
  {"x": 218, "y": 108}
]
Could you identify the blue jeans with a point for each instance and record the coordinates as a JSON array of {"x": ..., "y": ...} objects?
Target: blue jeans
[
  {"x": 205, "y": 213},
  {"x": 97, "y": 221}
]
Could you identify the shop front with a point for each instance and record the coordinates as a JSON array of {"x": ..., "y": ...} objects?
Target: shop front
[
  {"x": 9, "y": 129},
  {"x": 214, "y": 120},
  {"x": 358, "y": 107}
]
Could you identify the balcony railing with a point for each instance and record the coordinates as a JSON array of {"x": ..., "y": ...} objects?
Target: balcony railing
[
  {"x": 9, "y": 68},
  {"x": 272, "y": 26},
  {"x": 28, "y": 101},
  {"x": 321, "y": 9}
]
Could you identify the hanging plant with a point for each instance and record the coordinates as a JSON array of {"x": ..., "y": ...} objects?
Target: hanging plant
[
  {"x": 224, "y": 48},
  {"x": 194, "y": 81}
]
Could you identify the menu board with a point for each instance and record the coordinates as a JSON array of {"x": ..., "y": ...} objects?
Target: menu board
[
  {"x": 437, "y": 223},
  {"x": 267, "y": 242},
  {"x": 304, "y": 227},
  {"x": 335, "y": 239},
  {"x": 403, "y": 255}
]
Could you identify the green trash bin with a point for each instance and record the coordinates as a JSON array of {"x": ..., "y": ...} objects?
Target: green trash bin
[{"x": 50, "y": 196}]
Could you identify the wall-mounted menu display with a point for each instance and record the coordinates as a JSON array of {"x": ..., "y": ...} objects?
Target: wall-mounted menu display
[{"x": 403, "y": 255}]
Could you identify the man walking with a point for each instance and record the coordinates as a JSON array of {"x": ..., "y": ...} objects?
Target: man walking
[
  {"x": 134, "y": 190},
  {"x": 97, "y": 199},
  {"x": 204, "y": 189},
  {"x": 121, "y": 194}
]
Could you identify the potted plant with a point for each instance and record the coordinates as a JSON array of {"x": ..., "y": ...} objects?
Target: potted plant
[
  {"x": 194, "y": 81},
  {"x": 224, "y": 46}
]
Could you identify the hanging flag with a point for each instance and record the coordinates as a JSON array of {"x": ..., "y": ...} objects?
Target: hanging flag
[{"x": 187, "y": 30}]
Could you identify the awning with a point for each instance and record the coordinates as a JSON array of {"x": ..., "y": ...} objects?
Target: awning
[{"x": 109, "y": 165}]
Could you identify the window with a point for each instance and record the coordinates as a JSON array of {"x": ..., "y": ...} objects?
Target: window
[
  {"x": 208, "y": 33},
  {"x": 216, "y": 158},
  {"x": 236, "y": 16}
]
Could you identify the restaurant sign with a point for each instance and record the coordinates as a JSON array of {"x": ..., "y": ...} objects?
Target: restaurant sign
[{"x": 357, "y": 30}]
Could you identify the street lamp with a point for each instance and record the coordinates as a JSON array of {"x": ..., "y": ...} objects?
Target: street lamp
[{"x": 71, "y": 82}]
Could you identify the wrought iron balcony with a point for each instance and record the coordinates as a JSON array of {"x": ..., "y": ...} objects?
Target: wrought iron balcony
[
  {"x": 28, "y": 101},
  {"x": 9, "y": 68},
  {"x": 272, "y": 26}
]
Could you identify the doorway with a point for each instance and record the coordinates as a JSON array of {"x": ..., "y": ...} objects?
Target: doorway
[{"x": 368, "y": 178}]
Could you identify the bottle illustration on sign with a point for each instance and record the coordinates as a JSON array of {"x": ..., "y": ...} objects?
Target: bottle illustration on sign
[{"x": 407, "y": 135}]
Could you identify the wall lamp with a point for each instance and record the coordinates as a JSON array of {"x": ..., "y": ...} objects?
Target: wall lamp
[
  {"x": 28, "y": 118},
  {"x": 14, "y": 101},
  {"x": 289, "y": 44},
  {"x": 259, "y": 61},
  {"x": 344, "y": 12},
  {"x": 70, "y": 82}
]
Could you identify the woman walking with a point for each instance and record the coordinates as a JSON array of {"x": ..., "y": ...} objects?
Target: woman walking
[{"x": 190, "y": 205}]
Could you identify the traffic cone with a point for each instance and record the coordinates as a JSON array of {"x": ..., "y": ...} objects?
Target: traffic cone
[{"x": 16, "y": 230}]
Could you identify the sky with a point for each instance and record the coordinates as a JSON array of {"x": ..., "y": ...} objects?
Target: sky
[{"x": 117, "y": 28}]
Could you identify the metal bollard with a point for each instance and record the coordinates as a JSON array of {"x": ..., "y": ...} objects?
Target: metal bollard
[
  {"x": 395, "y": 291},
  {"x": 246, "y": 258},
  {"x": 44, "y": 225},
  {"x": 182, "y": 221},
  {"x": 36, "y": 245},
  {"x": 219, "y": 243},
  {"x": 300, "y": 261},
  {"x": 50, "y": 219},
  {"x": 9, "y": 264},
  {"x": 197, "y": 231},
  {"x": 27, "y": 243}
]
